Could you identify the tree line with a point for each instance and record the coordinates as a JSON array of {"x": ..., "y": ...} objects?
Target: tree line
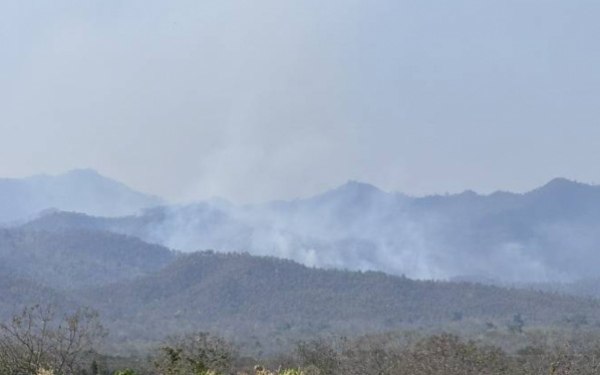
[{"x": 41, "y": 341}]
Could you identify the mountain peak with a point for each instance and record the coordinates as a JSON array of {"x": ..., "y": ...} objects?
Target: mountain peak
[
  {"x": 358, "y": 187},
  {"x": 561, "y": 181},
  {"x": 468, "y": 194},
  {"x": 350, "y": 192},
  {"x": 560, "y": 184}
]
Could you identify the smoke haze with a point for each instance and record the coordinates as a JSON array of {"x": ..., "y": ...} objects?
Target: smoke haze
[{"x": 547, "y": 234}]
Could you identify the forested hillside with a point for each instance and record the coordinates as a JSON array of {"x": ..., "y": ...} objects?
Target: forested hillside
[
  {"x": 144, "y": 292},
  {"x": 272, "y": 300},
  {"x": 74, "y": 259}
]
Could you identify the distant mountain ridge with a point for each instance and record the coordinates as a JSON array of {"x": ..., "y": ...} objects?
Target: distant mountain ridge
[
  {"x": 551, "y": 233},
  {"x": 80, "y": 190}
]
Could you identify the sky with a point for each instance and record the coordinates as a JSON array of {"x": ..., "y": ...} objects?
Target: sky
[{"x": 260, "y": 100}]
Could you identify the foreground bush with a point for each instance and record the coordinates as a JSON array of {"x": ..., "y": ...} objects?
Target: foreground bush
[
  {"x": 447, "y": 354},
  {"x": 194, "y": 354}
]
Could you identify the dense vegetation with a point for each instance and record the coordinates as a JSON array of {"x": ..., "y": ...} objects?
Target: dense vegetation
[
  {"x": 276, "y": 302},
  {"x": 145, "y": 292}
]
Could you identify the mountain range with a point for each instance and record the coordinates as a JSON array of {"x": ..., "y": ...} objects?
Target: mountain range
[
  {"x": 550, "y": 234},
  {"x": 335, "y": 263}
]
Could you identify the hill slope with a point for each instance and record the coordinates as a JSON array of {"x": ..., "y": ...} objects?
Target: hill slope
[
  {"x": 77, "y": 258},
  {"x": 145, "y": 292},
  {"x": 274, "y": 301}
]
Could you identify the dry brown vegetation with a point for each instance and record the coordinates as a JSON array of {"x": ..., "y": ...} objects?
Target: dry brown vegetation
[{"x": 39, "y": 341}]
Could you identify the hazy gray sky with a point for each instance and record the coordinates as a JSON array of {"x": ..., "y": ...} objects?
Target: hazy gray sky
[{"x": 256, "y": 100}]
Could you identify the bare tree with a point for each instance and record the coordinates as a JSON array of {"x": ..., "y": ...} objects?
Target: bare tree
[{"x": 38, "y": 339}]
